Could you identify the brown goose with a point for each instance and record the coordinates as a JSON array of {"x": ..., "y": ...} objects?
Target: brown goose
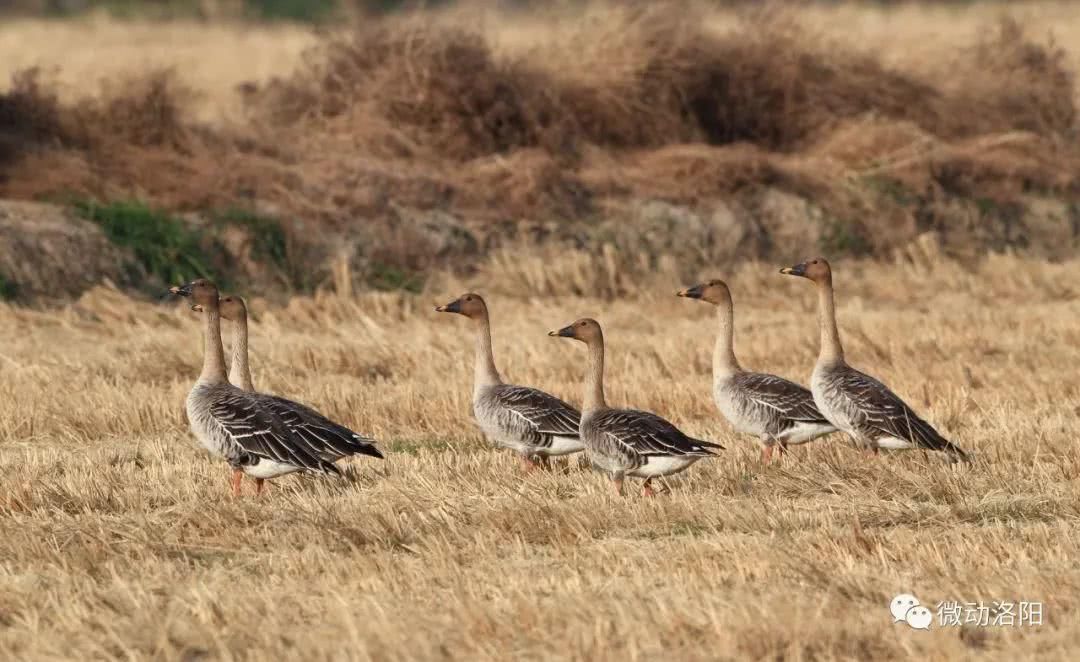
[
  {"x": 534, "y": 424},
  {"x": 234, "y": 309},
  {"x": 261, "y": 435},
  {"x": 627, "y": 442},
  {"x": 855, "y": 402},
  {"x": 776, "y": 411}
]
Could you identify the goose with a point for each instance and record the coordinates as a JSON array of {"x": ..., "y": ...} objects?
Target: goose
[
  {"x": 627, "y": 442},
  {"x": 234, "y": 309},
  {"x": 534, "y": 424},
  {"x": 856, "y": 403},
  {"x": 260, "y": 435},
  {"x": 776, "y": 411}
]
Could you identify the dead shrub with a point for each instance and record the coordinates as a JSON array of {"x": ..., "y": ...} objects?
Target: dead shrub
[{"x": 425, "y": 114}]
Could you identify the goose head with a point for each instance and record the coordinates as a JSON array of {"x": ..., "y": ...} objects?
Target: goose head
[
  {"x": 586, "y": 330},
  {"x": 714, "y": 291},
  {"x": 232, "y": 308},
  {"x": 201, "y": 291},
  {"x": 470, "y": 305},
  {"x": 816, "y": 269}
]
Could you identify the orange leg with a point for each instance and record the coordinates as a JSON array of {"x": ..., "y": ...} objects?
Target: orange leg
[
  {"x": 766, "y": 454},
  {"x": 237, "y": 476},
  {"x": 259, "y": 485},
  {"x": 618, "y": 486},
  {"x": 647, "y": 489}
]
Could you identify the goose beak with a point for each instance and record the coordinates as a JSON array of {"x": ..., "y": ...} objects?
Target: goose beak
[
  {"x": 565, "y": 332},
  {"x": 181, "y": 290},
  {"x": 452, "y": 307},
  {"x": 694, "y": 292},
  {"x": 798, "y": 270}
]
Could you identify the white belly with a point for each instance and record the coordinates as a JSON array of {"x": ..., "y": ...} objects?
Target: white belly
[
  {"x": 801, "y": 433},
  {"x": 269, "y": 469},
  {"x": 894, "y": 443},
  {"x": 564, "y": 446},
  {"x": 663, "y": 465}
]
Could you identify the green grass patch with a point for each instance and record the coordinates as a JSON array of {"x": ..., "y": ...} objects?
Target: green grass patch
[
  {"x": 163, "y": 245},
  {"x": 8, "y": 288},
  {"x": 292, "y": 10},
  {"x": 840, "y": 237},
  {"x": 391, "y": 278},
  {"x": 269, "y": 243},
  {"x": 890, "y": 189}
]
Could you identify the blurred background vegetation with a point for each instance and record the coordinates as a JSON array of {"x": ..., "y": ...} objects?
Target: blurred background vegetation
[{"x": 293, "y": 10}]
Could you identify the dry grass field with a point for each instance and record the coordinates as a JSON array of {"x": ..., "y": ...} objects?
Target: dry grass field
[
  {"x": 535, "y": 124},
  {"x": 118, "y": 539}
]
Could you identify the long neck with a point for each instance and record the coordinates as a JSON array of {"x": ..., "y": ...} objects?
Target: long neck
[
  {"x": 485, "y": 373},
  {"x": 239, "y": 371},
  {"x": 213, "y": 370},
  {"x": 724, "y": 362},
  {"x": 831, "y": 351},
  {"x": 594, "y": 378}
]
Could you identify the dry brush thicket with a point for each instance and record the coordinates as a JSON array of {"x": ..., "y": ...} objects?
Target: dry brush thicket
[
  {"x": 117, "y": 539},
  {"x": 428, "y": 139}
]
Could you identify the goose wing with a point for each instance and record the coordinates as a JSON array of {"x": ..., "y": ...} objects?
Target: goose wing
[
  {"x": 543, "y": 412},
  {"x": 781, "y": 399},
  {"x": 882, "y": 411},
  {"x": 255, "y": 428},
  {"x": 643, "y": 433},
  {"x": 323, "y": 437}
]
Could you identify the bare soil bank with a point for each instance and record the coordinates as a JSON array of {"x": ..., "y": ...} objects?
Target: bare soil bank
[{"x": 412, "y": 144}]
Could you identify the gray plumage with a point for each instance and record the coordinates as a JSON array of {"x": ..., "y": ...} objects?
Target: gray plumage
[
  {"x": 872, "y": 414},
  {"x": 527, "y": 420},
  {"x": 267, "y": 436},
  {"x": 773, "y": 409},
  {"x": 261, "y": 435},
  {"x": 628, "y": 442}
]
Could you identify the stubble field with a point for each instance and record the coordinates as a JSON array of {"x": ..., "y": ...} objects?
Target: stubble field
[{"x": 118, "y": 539}]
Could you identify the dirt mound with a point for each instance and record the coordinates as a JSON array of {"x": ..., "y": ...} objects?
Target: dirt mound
[
  {"x": 45, "y": 254},
  {"x": 427, "y": 115}
]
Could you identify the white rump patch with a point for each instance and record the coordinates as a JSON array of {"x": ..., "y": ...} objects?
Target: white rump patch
[
  {"x": 801, "y": 433},
  {"x": 664, "y": 465},
  {"x": 564, "y": 446},
  {"x": 269, "y": 469},
  {"x": 894, "y": 444}
]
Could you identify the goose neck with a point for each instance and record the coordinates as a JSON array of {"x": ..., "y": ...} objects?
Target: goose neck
[
  {"x": 213, "y": 370},
  {"x": 831, "y": 351},
  {"x": 485, "y": 373},
  {"x": 240, "y": 371},
  {"x": 724, "y": 361},
  {"x": 594, "y": 378}
]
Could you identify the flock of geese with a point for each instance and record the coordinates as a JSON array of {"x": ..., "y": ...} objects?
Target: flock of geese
[{"x": 265, "y": 436}]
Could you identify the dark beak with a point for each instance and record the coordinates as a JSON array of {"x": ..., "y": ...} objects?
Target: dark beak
[
  {"x": 452, "y": 307},
  {"x": 694, "y": 292},
  {"x": 565, "y": 332},
  {"x": 798, "y": 270},
  {"x": 182, "y": 290}
]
